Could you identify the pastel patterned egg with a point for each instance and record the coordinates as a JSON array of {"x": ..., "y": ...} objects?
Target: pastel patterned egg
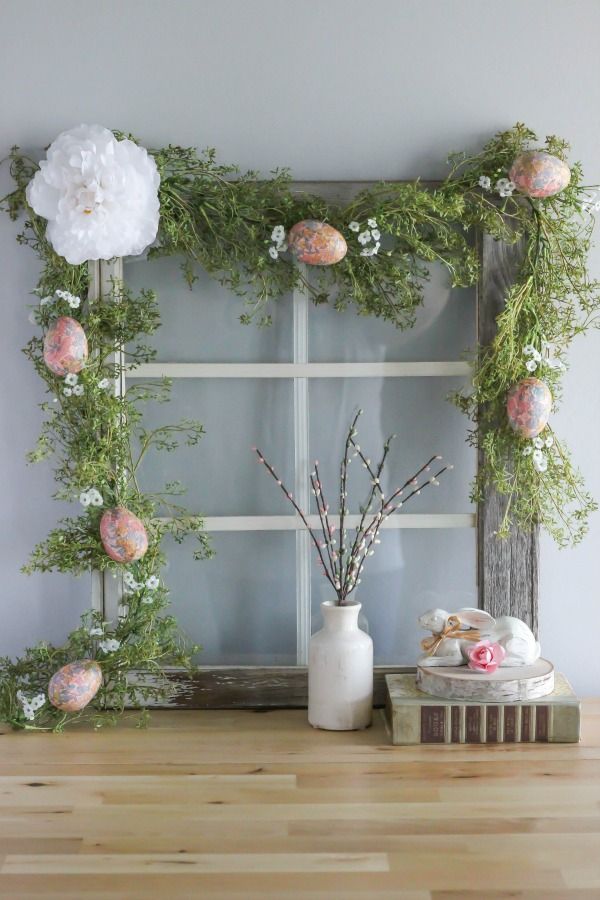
[
  {"x": 73, "y": 686},
  {"x": 65, "y": 346},
  {"x": 539, "y": 174},
  {"x": 123, "y": 535},
  {"x": 528, "y": 407},
  {"x": 316, "y": 243}
]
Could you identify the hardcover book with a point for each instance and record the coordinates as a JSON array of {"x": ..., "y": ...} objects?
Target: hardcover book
[{"x": 417, "y": 718}]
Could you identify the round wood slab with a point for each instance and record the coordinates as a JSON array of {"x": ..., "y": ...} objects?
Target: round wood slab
[{"x": 505, "y": 684}]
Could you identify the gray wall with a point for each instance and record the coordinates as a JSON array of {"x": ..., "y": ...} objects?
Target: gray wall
[{"x": 337, "y": 89}]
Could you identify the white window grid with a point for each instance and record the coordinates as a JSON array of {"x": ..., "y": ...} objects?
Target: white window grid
[{"x": 107, "y": 590}]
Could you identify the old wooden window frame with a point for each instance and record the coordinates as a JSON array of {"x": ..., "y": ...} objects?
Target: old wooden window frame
[{"x": 507, "y": 571}]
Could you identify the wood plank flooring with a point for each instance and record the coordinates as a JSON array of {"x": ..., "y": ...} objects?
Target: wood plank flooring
[{"x": 248, "y": 805}]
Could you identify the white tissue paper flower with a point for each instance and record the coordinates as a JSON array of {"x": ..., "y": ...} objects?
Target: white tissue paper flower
[
  {"x": 354, "y": 226},
  {"x": 100, "y": 195},
  {"x": 485, "y": 182}
]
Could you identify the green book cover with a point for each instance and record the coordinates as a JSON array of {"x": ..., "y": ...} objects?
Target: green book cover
[{"x": 414, "y": 717}]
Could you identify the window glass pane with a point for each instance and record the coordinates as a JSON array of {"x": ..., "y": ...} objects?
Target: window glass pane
[
  {"x": 444, "y": 329},
  {"x": 202, "y": 324},
  {"x": 240, "y": 605},
  {"x": 412, "y": 571},
  {"x": 221, "y": 473},
  {"x": 417, "y": 411}
]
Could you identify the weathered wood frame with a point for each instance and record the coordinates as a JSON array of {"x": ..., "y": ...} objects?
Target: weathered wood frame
[{"x": 507, "y": 571}]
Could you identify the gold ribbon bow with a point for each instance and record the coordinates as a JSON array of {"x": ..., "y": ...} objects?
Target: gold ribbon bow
[{"x": 452, "y": 629}]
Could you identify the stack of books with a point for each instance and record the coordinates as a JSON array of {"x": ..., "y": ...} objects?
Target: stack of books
[{"x": 417, "y": 718}]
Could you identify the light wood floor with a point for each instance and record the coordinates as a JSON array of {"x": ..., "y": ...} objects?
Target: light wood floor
[{"x": 258, "y": 805}]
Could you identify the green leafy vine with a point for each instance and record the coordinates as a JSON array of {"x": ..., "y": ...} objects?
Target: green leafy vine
[{"x": 222, "y": 220}]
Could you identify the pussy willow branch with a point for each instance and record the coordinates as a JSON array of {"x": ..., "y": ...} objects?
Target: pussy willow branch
[{"x": 341, "y": 567}]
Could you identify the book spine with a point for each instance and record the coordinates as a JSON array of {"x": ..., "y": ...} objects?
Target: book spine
[{"x": 464, "y": 723}]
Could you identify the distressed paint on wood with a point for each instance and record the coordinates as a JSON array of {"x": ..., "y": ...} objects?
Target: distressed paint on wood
[
  {"x": 507, "y": 570},
  {"x": 252, "y": 687}
]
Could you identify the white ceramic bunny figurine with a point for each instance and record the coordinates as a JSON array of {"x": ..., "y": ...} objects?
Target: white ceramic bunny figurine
[{"x": 448, "y": 647}]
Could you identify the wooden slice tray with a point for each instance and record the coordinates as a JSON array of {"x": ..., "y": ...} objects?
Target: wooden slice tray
[{"x": 504, "y": 685}]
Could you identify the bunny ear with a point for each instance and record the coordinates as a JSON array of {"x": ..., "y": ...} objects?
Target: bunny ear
[{"x": 476, "y": 618}]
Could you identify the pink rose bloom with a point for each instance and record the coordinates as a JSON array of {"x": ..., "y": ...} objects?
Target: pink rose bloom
[{"x": 485, "y": 657}]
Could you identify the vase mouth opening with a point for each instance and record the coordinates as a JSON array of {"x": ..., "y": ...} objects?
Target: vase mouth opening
[{"x": 332, "y": 604}]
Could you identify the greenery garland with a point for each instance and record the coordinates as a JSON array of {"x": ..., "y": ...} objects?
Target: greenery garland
[{"x": 215, "y": 217}]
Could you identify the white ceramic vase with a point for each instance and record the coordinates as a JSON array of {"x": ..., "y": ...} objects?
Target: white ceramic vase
[{"x": 340, "y": 671}]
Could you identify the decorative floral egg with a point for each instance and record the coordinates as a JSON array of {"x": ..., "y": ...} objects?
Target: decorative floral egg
[
  {"x": 316, "y": 243},
  {"x": 65, "y": 346},
  {"x": 539, "y": 174},
  {"x": 123, "y": 535},
  {"x": 73, "y": 686},
  {"x": 528, "y": 407}
]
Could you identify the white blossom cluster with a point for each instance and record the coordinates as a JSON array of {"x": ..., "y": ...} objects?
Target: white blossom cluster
[
  {"x": 504, "y": 186},
  {"x": 30, "y": 705},
  {"x": 131, "y": 585},
  {"x": 279, "y": 244},
  {"x": 91, "y": 497},
  {"x": 536, "y": 448},
  {"x": 536, "y": 359},
  {"x": 72, "y": 387},
  {"x": 370, "y": 238},
  {"x": 73, "y": 301}
]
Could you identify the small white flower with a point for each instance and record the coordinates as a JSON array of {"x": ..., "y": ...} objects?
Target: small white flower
[
  {"x": 538, "y": 442},
  {"x": 96, "y": 632},
  {"x": 78, "y": 390},
  {"x": 85, "y": 498},
  {"x": 38, "y": 701},
  {"x": 278, "y": 234},
  {"x": 376, "y": 234},
  {"x": 104, "y": 383},
  {"x": 505, "y": 187},
  {"x": 528, "y": 450},
  {"x": 537, "y": 455},
  {"x": 273, "y": 253},
  {"x": 147, "y": 600},
  {"x": 354, "y": 226},
  {"x": 485, "y": 183},
  {"x": 540, "y": 464},
  {"x": 364, "y": 237},
  {"x": 110, "y": 645},
  {"x": 529, "y": 350},
  {"x": 95, "y": 497},
  {"x": 128, "y": 579},
  {"x": 67, "y": 391},
  {"x": 74, "y": 302},
  {"x": 531, "y": 365},
  {"x": 372, "y": 223},
  {"x": 45, "y": 300},
  {"x": 152, "y": 582},
  {"x": 549, "y": 441},
  {"x": 71, "y": 378}
]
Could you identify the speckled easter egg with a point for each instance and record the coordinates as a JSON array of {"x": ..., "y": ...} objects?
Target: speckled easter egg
[
  {"x": 73, "y": 686},
  {"x": 65, "y": 346},
  {"x": 539, "y": 174},
  {"x": 316, "y": 243},
  {"x": 123, "y": 535},
  {"x": 528, "y": 407}
]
